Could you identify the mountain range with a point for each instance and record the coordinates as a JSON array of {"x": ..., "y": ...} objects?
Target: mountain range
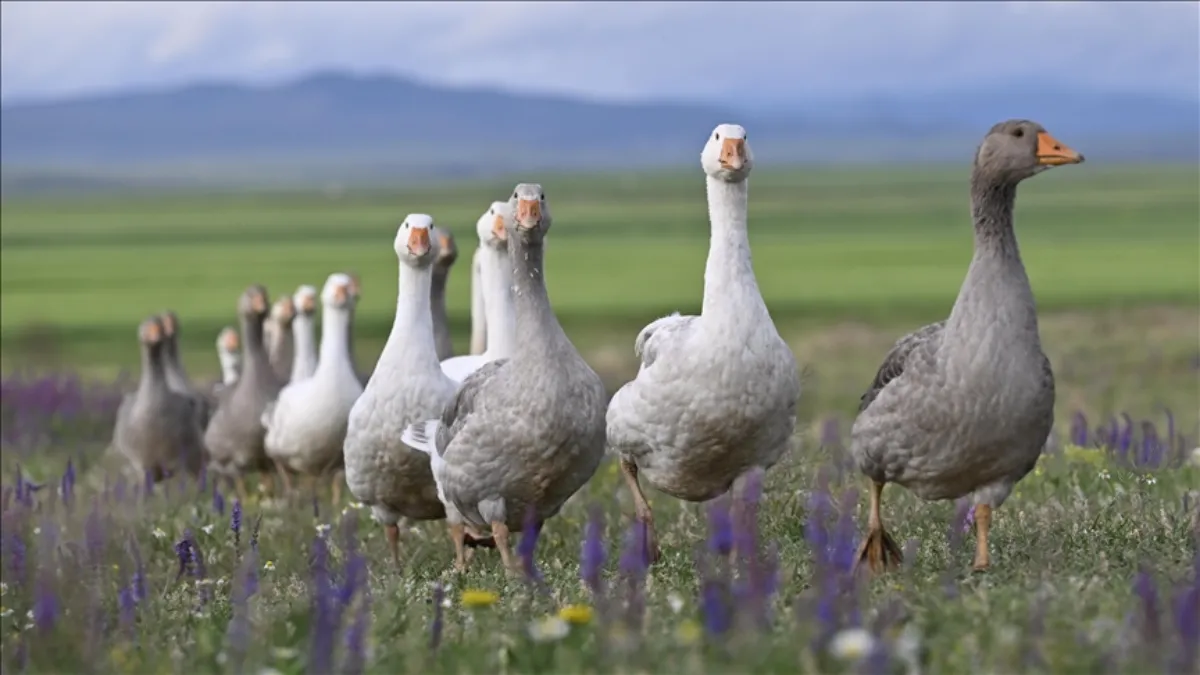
[{"x": 338, "y": 126}]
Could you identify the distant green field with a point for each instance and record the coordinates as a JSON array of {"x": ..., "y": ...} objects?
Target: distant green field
[{"x": 828, "y": 244}]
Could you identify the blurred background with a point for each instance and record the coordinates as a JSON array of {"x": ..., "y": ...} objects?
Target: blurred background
[{"x": 166, "y": 155}]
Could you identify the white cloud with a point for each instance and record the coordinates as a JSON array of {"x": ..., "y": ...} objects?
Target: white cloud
[{"x": 765, "y": 51}]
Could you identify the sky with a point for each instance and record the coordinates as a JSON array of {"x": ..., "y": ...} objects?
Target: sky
[{"x": 761, "y": 53}]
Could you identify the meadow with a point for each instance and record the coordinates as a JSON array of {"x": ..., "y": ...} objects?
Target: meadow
[{"x": 1095, "y": 556}]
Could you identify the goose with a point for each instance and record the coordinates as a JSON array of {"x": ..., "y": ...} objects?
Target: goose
[
  {"x": 478, "y": 320},
  {"x": 716, "y": 394},
  {"x": 176, "y": 376},
  {"x": 447, "y": 254},
  {"x": 408, "y": 386},
  {"x": 157, "y": 429},
  {"x": 522, "y": 434},
  {"x": 229, "y": 358},
  {"x": 277, "y": 334},
  {"x": 355, "y": 292},
  {"x": 964, "y": 406},
  {"x": 496, "y": 285},
  {"x": 234, "y": 436},
  {"x": 306, "y": 425},
  {"x": 304, "y": 360}
]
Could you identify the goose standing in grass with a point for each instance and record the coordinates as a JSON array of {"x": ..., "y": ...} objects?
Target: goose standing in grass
[
  {"x": 234, "y": 436},
  {"x": 964, "y": 406},
  {"x": 176, "y": 376},
  {"x": 306, "y": 425},
  {"x": 522, "y": 434},
  {"x": 496, "y": 287},
  {"x": 304, "y": 360},
  {"x": 158, "y": 430},
  {"x": 229, "y": 357},
  {"x": 277, "y": 333},
  {"x": 408, "y": 386},
  {"x": 447, "y": 253},
  {"x": 478, "y": 311},
  {"x": 716, "y": 394}
]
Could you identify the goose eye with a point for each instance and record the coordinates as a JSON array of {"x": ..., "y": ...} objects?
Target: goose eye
[
  {"x": 490, "y": 212},
  {"x": 716, "y": 136},
  {"x": 515, "y": 196},
  {"x": 1018, "y": 132}
]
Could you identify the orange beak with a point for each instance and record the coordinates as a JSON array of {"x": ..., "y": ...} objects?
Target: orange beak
[
  {"x": 258, "y": 303},
  {"x": 1050, "y": 152},
  {"x": 168, "y": 324},
  {"x": 340, "y": 293},
  {"x": 418, "y": 241},
  {"x": 308, "y": 304},
  {"x": 230, "y": 341},
  {"x": 733, "y": 154},
  {"x": 498, "y": 228},
  {"x": 444, "y": 244},
  {"x": 287, "y": 309},
  {"x": 529, "y": 213}
]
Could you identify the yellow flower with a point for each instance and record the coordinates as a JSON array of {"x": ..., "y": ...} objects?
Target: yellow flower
[
  {"x": 269, "y": 565},
  {"x": 576, "y": 614},
  {"x": 474, "y": 598},
  {"x": 688, "y": 632}
]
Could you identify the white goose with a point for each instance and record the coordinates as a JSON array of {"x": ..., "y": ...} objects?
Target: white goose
[
  {"x": 478, "y": 318},
  {"x": 496, "y": 281},
  {"x": 304, "y": 360},
  {"x": 407, "y": 386},
  {"x": 306, "y": 425},
  {"x": 716, "y": 394}
]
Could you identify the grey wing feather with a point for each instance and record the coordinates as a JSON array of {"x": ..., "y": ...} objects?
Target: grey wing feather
[
  {"x": 893, "y": 363},
  {"x": 462, "y": 405},
  {"x": 650, "y": 341}
]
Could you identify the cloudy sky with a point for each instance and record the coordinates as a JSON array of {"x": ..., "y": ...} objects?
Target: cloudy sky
[{"x": 765, "y": 52}]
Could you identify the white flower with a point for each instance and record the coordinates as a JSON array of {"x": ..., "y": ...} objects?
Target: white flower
[
  {"x": 284, "y": 653},
  {"x": 37, "y": 530},
  {"x": 852, "y": 644},
  {"x": 159, "y": 534},
  {"x": 1151, "y": 480},
  {"x": 675, "y": 602},
  {"x": 269, "y": 565},
  {"x": 6, "y": 613},
  {"x": 548, "y": 629},
  {"x": 323, "y": 529},
  {"x": 1104, "y": 474},
  {"x": 3, "y": 588},
  {"x": 207, "y": 529},
  {"x": 1196, "y": 456}
]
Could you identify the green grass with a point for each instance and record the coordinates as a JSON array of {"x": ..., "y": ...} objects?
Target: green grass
[{"x": 77, "y": 276}]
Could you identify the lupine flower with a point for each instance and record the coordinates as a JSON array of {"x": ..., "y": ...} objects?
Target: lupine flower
[
  {"x": 356, "y": 638},
  {"x": 720, "y": 527},
  {"x": 633, "y": 564},
  {"x": 218, "y": 501},
  {"x": 183, "y": 552},
  {"x": 717, "y": 607},
  {"x": 235, "y": 522},
  {"x": 593, "y": 554},
  {"x": 127, "y": 604},
  {"x": 45, "y": 606},
  {"x": 1079, "y": 429},
  {"x": 526, "y": 548},
  {"x": 1144, "y": 588},
  {"x": 1187, "y": 624},
  {"x": 254, "y": 532},
  {"x": 325, "y": 616}
]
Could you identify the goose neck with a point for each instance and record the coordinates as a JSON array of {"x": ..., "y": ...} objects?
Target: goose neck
[
  {"x": 335, "y": 325},
  {"x": 229, "y": 368},
  {"x": 536, "y": 326},
  {"x": 992, "y": 203},
  {"x": 304, "y": 357},
  {"x": 153, "y": 376},
  {"x": 411, "y": 339},
  {"x": 728, "y": 274},
  {"x": 255, "y": 352},
  {"x": 502, "y": 280}
]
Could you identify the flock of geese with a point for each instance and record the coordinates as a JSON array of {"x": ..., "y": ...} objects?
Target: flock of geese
[{"x": 504, "y": 436}]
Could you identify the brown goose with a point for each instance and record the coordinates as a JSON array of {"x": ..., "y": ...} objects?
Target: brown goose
[
  {"x": 158, "y": 430},
  {"x": 277, "y": 335},
  {"x": 235, "y": 434},
  {"x": 964, "y": 406}
]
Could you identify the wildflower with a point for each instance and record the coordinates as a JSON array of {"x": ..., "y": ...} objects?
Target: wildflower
[
  {"x": 576, "y": 614},
  {"x": 3, "y": 588},
  {"x": 1151, "y": 480},
  {"x": 530, "y": 533},
  {"x": 720, "y": 526},
  {"x": 593, "y": 553},
  {"x": 675, "y": 602},
  {"x": 476, "y": 599},
  {"x": 548, "y": 629},
  {"x": 269, "y": 565},
  {"x": 159, "y": 534},
  {"x": 852, "y": 644},
  {"x": 284, "y": 653},
  {"x": 5, "y": 612},
  {"x": 235, "y": 521},
  {"x": 207, "y": 529},
  {"x": 323, "y": 529},
  {"x": 218, "y": 500},
  {"x": 688, "y": 632}
]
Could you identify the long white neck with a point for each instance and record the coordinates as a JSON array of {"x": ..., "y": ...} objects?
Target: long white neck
[
  {"x": 411, "y": 343},
  {"x": 304, "y": 356},
  {"x": 229, "y": 366},
  {"x": 499, "y": 311},
  {"x": 729, "y": 284},
  {"x": 335, "y": 330},
  {"x": 478, "y": 319}
]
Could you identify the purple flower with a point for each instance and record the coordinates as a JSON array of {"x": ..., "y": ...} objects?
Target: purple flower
[
  {"x": 68, "y": 483},
  {"x": 235, "y": 522},
  {"x": 720, "y": 527},
  {"x": 1079, "y": 429},
  {"x": 138, "y": 583},
  {"x": 530, "y": 532},
  {"x": 633, "y": 565},
  {"x": 254, "y": 533},
  {"x": 435, "y": 633},
  {"x": 128, "y": 605},
  {"x": 1147, "y": 593},
  {"x": 218, "y": 500},
  {"x": 45, "y": 606},
  {"x": 326, "y": 616},
  {"x": 716, "y": 606},
  {"x": 1187, "y": 623},
  {"x": 593, "y": 554},
  {"x": 356, "y": 639},
  {"x": 831, "y": 435}
]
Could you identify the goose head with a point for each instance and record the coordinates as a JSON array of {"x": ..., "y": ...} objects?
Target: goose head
[
  {"x": 355, "y": 286},
  {"x": 447, "y": 249},
  {"x": 338, "y": 292},
  {"x": 415, "y": 244},
  {"x": 228, "y": 342},
  {"x": 490, "y": 227},
  {"x": 170, "y": 324},
  {"x": 283, "y": 311},
  {"x": 727, "y": 156},
  {"x": 254, "y": 303},
  {"x": 1017, "y": 149},
  {"x": 529, "y": 213},
  {"x": 305, "y": 300},
  {"x": 151, "y": 333}
]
